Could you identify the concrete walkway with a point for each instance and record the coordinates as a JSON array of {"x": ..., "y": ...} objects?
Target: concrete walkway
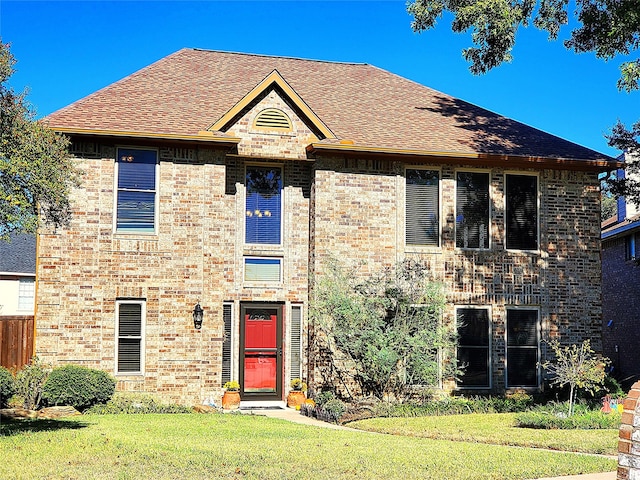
[{"x": 294, "y": 416}]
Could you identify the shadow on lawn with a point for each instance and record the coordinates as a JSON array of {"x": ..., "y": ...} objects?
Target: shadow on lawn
[{"x": 10, "y": 427}]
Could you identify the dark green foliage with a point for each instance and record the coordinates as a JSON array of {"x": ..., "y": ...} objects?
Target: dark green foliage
[
  {"x": 329, "y": 411},
  {"x": 7, "y": 386},
  {"x": 30, "y": 381},
  {"x": 36, "y": 172},
  {"x": 590, "y": 420},
  {"x": 608, "y": 28},
  {"x": 78, "y": 386},
  {"x": 517, "y": 402},
  {"x": 135, "y": 403},
  {"x": 382, "y": 333}
]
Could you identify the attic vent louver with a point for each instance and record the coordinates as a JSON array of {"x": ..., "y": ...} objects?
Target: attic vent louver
[{"x": 273, "y": 119}]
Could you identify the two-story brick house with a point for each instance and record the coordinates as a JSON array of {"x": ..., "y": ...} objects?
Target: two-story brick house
[{"x": 223, "y": 180}]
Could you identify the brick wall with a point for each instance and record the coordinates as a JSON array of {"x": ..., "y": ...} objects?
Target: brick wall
[
  {"x": 353, "y": 209},
  {"x": 358, "y": 215},
  {"x": 620, "y": 307},
  {"x": 629, "y": 442}
]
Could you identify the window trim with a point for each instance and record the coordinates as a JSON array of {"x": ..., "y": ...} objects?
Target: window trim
[
  {"x": 538, "y": 196},
  {"x": 417, "y": 246},
  {"x": 538, "y": 347},
  {"x": 488, "y": 172},
  {"x": 262, "y": 282},
  {"x": 143, "y": 322},
  {"x": 299, "y": 350},
  {"x": 23, "y": 281},
  {"x": 116, "y": 190},
  {"x": 282, "y": 204},
  {"x": 232, "y": 344},
  {"x": 489, "y": 345}
]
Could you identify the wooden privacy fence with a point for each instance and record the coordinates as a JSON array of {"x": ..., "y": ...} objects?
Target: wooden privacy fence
[{"x": 16, "y": 341}]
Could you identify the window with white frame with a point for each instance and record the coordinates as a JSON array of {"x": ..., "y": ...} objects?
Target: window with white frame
[
  {"x": 473, "y": 350},
  {"x": 422, "y": 207},
  {"x": 136, "y": 190},
  {"x": 263, "y": 213},
  {"x": 261, "y": 269},
  {"x": 472, "y": 210},
  {"x": 523, "y": 347},
  {"x": 130, "y": 317},
  {"x": 521, "y": 212},
  {"x": 26, "y": 294}
]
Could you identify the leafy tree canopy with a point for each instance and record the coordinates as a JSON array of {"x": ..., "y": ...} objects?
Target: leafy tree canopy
[
  {"x": 608, "y": 28},
  {"x": 36, "y": 173}
]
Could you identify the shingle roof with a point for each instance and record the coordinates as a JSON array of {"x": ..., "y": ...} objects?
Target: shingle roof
[
  {"x": 188, "y": 91},
  {"x": 18, "y": 255}
]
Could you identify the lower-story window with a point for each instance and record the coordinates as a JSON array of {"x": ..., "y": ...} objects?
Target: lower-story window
[
  {"x": 523, "y": 347},
  {"x": 473, "y": 347},
  {"x": 130, "y": 335}
]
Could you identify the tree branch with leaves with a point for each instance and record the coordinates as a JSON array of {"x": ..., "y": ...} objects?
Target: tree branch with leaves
[
  {"x": 608, "y": 28},
  {"x": 36, "y": 172}
]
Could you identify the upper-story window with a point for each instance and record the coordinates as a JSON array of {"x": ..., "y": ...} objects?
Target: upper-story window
[
  {"x": 136, "y": 190},
  {"x": 472, "y": 210},
  {"x": 422, "y": 207},
  {"x": 263, "y": 219},
  {"x": 521, "y": 212}
]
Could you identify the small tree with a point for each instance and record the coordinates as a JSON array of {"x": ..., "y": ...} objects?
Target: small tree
[
  {"x": 384, "y": 333},
  {"x": 576, "y": 366}
]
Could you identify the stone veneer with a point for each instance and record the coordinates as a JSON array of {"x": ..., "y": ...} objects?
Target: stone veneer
[{"x": 629, "y": 442}]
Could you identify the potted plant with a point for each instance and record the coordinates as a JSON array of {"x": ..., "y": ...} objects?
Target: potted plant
[
  {"x": 231, "y": 397},
  {"x": 297, "y": 395}
]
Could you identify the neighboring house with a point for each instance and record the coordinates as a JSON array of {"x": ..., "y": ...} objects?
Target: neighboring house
[
  {"x": 223, "y": 181},
  {"x": 17, "y": 296},
  {"x": 621, "y": 291}
]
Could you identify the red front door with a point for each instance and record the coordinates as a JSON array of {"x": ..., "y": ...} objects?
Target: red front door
[{"x": 261, "y": 352}]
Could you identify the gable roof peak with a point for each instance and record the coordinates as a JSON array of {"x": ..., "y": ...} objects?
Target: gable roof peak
[{"x": 273, "y": 80}]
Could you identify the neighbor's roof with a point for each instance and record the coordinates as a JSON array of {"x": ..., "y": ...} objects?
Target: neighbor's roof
[
  {"x": 19, "y": 254},
  {"x": 187, "y": 92}
]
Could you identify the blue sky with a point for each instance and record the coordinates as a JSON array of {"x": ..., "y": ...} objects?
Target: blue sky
[{"x": 67, "y": 50}]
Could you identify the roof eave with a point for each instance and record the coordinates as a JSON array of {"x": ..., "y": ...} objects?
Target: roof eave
[
  {"x": 201, "y": 137},
  {"x": 488, "y": 159}
]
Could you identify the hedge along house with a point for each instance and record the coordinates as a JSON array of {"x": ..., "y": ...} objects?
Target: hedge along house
[{"x": 223, "y": 180}]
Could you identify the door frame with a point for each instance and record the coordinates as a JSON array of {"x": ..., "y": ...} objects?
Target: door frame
[{"x": 279, "y": 307}]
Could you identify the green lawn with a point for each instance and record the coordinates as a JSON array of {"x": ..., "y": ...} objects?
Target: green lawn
[
  {"x": 497, "y": 429},
  {"x": 189, "y": 446}
]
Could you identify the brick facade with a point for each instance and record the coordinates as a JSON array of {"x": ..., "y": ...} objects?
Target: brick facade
[
  {"x": 349, "y": 207},
  {"x": 629, "y": 441},
  {"x": 621, "y": 303}
]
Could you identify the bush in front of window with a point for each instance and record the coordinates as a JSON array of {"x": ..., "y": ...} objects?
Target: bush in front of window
[
  {"x": 7, "y": 387},
  {"x": 78, "y": 386}
]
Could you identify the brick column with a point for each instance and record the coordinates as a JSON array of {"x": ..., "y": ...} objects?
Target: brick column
[{"x": 629, "y": 441}]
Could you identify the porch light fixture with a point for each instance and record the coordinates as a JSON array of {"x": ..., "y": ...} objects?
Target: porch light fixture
[{"x": 198, "y": 313}]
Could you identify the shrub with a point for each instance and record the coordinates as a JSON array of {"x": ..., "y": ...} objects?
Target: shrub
[
  {"x": 129, "y": 403},
  {"x": 29, "y": 382},
  {"x": 590, "y": 420},
  {"x": 7, "y": 387},
  {"x": 516, "y": 402},
  {"x": 78, "y": 386}
]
